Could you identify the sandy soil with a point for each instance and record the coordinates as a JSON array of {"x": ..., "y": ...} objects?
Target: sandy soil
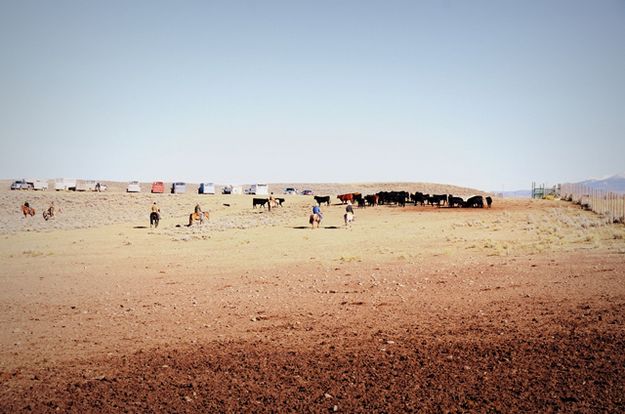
[{"x": 416, "y": 309}]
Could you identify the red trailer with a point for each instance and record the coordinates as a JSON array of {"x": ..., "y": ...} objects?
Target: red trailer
[{"x": 158, "y": 187}]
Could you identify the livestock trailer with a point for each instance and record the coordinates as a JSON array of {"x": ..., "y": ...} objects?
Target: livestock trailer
[
  {"x": 86, "y": 185},
  {"x": 259, "y": 189},
  {"x": 133, "y": 187},
  {"x": 178, "y": 188},
  {"x": 206, "y": 188},
  {"x": 40, "y": 185},
  {"x": 62, "y": 184},
  {"x": 158, "y": 187}
]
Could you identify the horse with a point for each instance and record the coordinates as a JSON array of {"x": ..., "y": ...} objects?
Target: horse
[
  {"x": 348, "y": 217},
  {"x": 154, "y": 219},
  {"x": 196, "y": 217},
  {"x": 314, "y": 218}
]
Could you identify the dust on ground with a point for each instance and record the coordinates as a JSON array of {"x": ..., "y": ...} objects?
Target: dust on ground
[{"x": 509, "y": 309}]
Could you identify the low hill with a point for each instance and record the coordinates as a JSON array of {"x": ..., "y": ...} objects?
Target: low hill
[{"x": 614, "y": 183}]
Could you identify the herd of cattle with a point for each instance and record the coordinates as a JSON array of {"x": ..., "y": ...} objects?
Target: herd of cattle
[{"x": 400, "y": 198}]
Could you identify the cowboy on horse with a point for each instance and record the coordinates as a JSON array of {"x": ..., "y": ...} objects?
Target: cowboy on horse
[
  {"x": 49, "y": 213},
  {"x": 27, "y": 210},
  {"x": 315, "y": 217},
  {"x": 155, "y": 215},
  {"x": 197, "y": 214}
]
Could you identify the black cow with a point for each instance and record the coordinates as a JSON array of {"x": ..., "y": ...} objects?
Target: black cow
[
  {"x": 475, "y": 201},
  {"x": 437, "y": 199},
  {"x": 395, "y": 197},
  {"x": 279, "y": 201},
  {"x": 322, "y": 199},
  {"x": 489, "y": 201},
  {"x": 358, "y": 199},
  {"x": 372, "y": 199},
  {"x": 454, "y": 201},
  {"x": 419, "y": 198},
  {"x": 259, "y": 202}
]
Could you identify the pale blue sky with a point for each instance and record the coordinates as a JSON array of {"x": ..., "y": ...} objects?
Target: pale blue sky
[{"x": 487, "y": 94}]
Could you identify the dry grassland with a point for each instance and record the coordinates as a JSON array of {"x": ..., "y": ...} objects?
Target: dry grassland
[{"x": 514, "y": 308}]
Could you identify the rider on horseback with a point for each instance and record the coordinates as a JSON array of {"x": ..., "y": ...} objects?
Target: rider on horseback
[
  {"x": 49, "y": 213},
  {"x": 198, "y": 211},
  {"x": 316, "y": 210},
  {"x": 155, "y": 215},
  {"x": 349, "y": 213},
  {"x": 27, "y": 210}
]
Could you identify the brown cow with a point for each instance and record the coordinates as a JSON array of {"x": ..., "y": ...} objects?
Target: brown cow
[{"x": 348, "y": 197}]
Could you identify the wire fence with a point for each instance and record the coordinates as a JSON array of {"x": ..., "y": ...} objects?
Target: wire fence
[{"x": 606, "y": 203}]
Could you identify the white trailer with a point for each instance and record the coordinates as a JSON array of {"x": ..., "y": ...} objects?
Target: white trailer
[
  {"x": 178, "y": 188},
  {"x": 40, "y": 185},
  {"x": 133, "y": 187},
  {"x": 64, "y": 184},
  {"x": 259, "y": 189},
  {"x": 86, "y": 185},
  {"x": 206, "y": 188}
]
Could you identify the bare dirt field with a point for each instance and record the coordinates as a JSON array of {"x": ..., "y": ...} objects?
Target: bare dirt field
[{"x": 517, "y": 308}]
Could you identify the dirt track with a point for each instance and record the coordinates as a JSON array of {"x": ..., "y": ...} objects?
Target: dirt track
[{"x": 517, "y": 308}]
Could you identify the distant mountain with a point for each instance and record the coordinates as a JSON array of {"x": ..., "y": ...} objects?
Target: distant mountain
[{"x": 615, "y": 183}]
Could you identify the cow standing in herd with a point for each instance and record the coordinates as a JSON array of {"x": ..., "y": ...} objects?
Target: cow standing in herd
[{"x": 322, "y": 199}]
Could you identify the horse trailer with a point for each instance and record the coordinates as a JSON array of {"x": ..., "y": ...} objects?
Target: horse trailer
[
  {"x": 41, "y": 185},
  {"x": 158, "y": 187},
  {"x": 64, "y": 184},
  {"x": 206, "y": 188},
  {"x": 86, "y": 185},
  {"x": 133, "y": 187},
  {"x": 178, "y": 188},
  {"x": 259, "y": 189}
]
